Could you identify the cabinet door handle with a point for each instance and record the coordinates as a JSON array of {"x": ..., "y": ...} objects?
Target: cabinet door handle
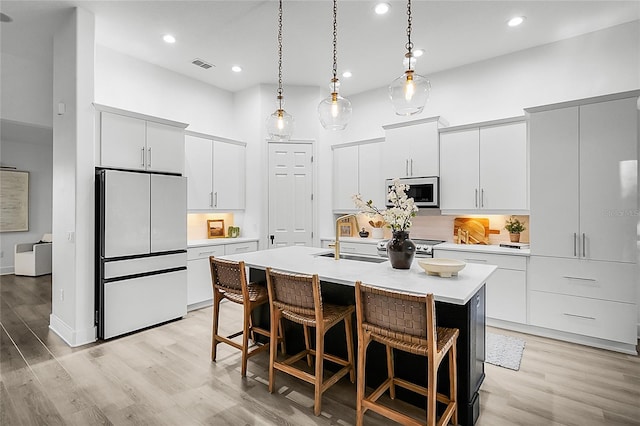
[
  {"x": 476, "y": 260},
  {"x": 584, "y": 245},
  {"x": 202, "y": 253},
  {"x": 482, "y": 198},
  {"x": 211, "y": 199},
  {"x": 406, "y": 167},
  {"x": 142, "y": 156},
  {"x": 215, "y": 198},
  {"x": 476, "y": 197},
  {"x": 149, "y": 159},
  {"x": 584, "y": 280},
  {"x": 578, "y": 316},
  {"x": 411, "y": 167},
  {"x": 575, "y": 244},
  {"x": 350, "y": 249}
]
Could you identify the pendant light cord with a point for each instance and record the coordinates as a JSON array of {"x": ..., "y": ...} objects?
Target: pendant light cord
[
  {"x": 335, "y": 44},
  {"x": 409, "y": 44},
  {"x": 280, "y": 56}
]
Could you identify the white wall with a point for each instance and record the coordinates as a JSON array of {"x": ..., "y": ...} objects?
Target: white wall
[
  {"x": 35, "y": 158},
  {"x": 128, "y": 83}
]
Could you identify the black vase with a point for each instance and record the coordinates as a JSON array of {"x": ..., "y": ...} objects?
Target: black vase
[{"x": 401, "y": 250}]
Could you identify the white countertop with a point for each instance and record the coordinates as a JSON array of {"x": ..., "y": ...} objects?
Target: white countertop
[
  {"x": 218, "y": 241},
  {"x": 457, "y": 290},
  {"x": 480, "y": 248}
]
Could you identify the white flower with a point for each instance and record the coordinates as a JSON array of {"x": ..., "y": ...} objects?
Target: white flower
[{"x": 398, "y": 217}]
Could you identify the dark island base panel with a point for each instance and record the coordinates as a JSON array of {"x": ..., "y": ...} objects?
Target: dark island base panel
[{"x": 469, "y": 319}]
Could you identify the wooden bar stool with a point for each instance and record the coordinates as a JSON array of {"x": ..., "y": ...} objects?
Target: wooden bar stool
[
  {"x": 297, "y": 298},
  {"x": 229, "y": 281},
  {"x": 405, "y": 322}
]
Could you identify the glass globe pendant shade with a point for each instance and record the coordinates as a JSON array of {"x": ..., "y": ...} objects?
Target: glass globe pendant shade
[
  {"x": 280, "y": 125},
  {"x": 334, "y": 112},
  {"x": 409, "y": 93}
]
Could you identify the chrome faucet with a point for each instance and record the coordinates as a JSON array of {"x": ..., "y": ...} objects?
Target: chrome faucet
[{"x": 336, "y": 244}]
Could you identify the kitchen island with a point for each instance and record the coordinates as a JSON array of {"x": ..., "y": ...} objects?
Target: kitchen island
[{"x": 460, "y": 303}]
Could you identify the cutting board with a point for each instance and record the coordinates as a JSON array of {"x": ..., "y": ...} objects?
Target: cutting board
[{"x": 477, "y": 227}]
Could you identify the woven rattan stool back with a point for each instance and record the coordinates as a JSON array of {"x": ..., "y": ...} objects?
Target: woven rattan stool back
[
  {"x": 228, "y": 275},
  {"x": 295, "y": 292}
]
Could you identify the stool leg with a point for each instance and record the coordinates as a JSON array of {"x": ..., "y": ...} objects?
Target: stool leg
[
  {"x": 317, "y": 405},
  {"x": 363, "y": 342},
  {"x": 283, "y": 347},
  {"x": 246, "y": 329},
  {"x": 432, "y": 383},
  {"x": 307, "y": 344},
  {"x": 214, "y": 333},
  {"x": 349, "y": 334},
  {"x": 273, "y": 346},
  {"x": 390, "y": 373},
  {"x": 453, "y": 380}
]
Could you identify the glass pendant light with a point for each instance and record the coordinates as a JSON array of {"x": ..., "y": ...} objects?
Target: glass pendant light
[
  {"x": 280, "y": 123},
  {"x": 334, "y": 111},
  {"x": 410, "y": 91}
]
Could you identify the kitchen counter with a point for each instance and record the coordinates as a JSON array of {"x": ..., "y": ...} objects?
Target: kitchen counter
[
  {"x": 457, "y": 290},
  {"x": 480, "y": 248},
  {"x": 218, "y": 241},
  {"x": 460, "y": 303}
]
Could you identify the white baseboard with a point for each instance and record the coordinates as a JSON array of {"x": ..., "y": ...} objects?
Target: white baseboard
[
  {"x": 624, "y": 348},
  {"x": 6, "y": 270},
  {"x": 72, "y": 337},
  {"x": 200, "y": 305}
]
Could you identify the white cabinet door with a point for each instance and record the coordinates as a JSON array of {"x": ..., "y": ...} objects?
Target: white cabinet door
[
  {"x": 503, "y": 167},
  {"x": 198, "y": 169},
  {"x": 199, "y": 287},
  {"x": 608, "y": 180},
  {"x": 370, "y": 175},
  {"x": 122, "y": 141},
  {"x": 412, "y": 150},
  {"x": 165, "y": 148},
  {"x": 228, "y": 175},
  {"x": 554, "y": 217},
  {"x": 345, "y": 177},
  {"x": 507, "y": 296},
  {"x": 459, "y": 153},
  {"x": 168, "y": 213}
]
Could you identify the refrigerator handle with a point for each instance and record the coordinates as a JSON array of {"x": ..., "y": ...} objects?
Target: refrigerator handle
[{"x": 142, "y": 156}]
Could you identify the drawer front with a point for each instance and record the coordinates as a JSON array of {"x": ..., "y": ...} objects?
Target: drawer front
[
  {"x": 357, "y": 248},
  {"x": 141, "y": 265},
  {"x": 503, "y": 261},
  {"x": 204, "y": 252},
  {"x": 586, "y": 278},
  {"x": 236, "y": 248},
  {"x": 589, "y": 317}
]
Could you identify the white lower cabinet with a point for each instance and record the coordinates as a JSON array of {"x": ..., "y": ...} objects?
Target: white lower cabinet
[
  {"x": 506, "y": 288},
  {"x": 590, "y": 298},
  {"x": 236, "y": 248}
]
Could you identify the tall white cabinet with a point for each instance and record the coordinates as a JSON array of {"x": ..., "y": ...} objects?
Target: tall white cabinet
[
  {"x": 484, "y": 167},
  {"x": 215, "y": 168},
  {"x": 411, "y": 148},
  {"x": 357, "y": 169},
  {"x": 133, "y": 141},
  {"x": 583, "y": 276}
]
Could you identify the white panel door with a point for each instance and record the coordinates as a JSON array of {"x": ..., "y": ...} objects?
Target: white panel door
[
  {"x": 126, "y": 213},
  {"x": 165, "y": 148},
  {"x": 122, "y": 141},
  {"x": 609, "y": 180},
  {"x": 370, "y": 174},
  {"x": 503, "y": 167},
  {"x": 290, "y": 194},
  {"x": 553, "y": 209},
  {"x": 228, "y": 176},
  {"x": 168, "y": 213},
  {"x": 198, "y": 168},
  {"x": 459, "y": 170},
  {"x": 345, "y": 177}
]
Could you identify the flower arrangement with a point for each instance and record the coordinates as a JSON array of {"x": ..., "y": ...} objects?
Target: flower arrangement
[{"x": 398, "y": 217}]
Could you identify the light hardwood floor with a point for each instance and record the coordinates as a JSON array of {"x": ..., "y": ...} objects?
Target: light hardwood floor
[{"x": 164, "y": 376}]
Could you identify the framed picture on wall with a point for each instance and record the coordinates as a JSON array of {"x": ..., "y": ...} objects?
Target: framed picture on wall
[
  {"x": 14, "y": 201},
  {"x": 215, "y": 228}
]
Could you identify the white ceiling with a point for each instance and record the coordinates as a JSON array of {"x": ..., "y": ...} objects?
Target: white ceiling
[{"x": 227, "y": 33}]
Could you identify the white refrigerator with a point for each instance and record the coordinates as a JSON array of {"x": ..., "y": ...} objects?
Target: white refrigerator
[{"x": 141, "y": 250}]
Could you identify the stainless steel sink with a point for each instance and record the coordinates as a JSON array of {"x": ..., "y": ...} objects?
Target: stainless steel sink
[{"x": 355, "y": 257}]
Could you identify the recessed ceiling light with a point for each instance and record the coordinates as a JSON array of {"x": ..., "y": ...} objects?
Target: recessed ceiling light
[
  {"x": 168, "y": 38},
  {"x": 236, "y": 68},
  {"x": 382, "y": 8},
  {"x": 347, "y": 74},
  {"x": 515, "y": 21},
  {"x": 418, "y": 52}
]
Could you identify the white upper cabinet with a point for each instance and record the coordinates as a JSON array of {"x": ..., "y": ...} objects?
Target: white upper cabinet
[
  {"x": 135, "y": 141},
  {"x": 215, "y": 169},
  {"x": 584, "y": 164},
  {"x": 484, "y": 167},
  {"x": 357, "y": 169},
  {"x": 411, "y": 148}
]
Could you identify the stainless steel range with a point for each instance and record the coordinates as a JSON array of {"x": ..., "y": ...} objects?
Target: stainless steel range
[{"x": 424, "y": 248}]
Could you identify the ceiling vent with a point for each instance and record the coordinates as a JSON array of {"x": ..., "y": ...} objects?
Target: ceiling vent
[{"x": 202, "y": 64}]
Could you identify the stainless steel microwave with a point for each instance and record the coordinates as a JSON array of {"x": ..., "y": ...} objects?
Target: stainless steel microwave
[{"x": 425, "y": 191}]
